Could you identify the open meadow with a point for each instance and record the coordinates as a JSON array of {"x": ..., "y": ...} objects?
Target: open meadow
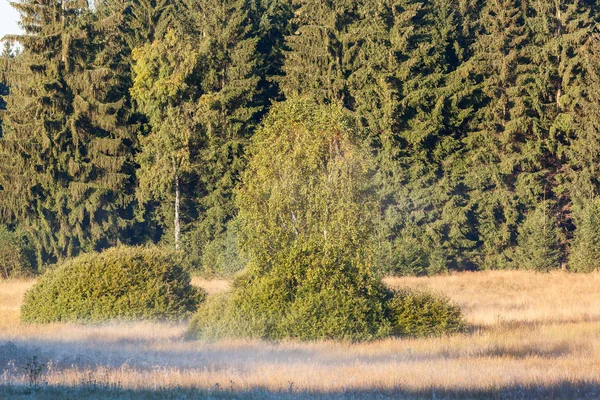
[{"x": 531, "y": 335}]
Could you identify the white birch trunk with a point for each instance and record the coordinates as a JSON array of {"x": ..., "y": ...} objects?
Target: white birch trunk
[{"x": 177, "y": 219}]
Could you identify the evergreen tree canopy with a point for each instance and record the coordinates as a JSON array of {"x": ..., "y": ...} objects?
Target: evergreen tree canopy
[
  {"x": 5, "y": 58},
  {"x": 129, "y": 121},
  {"x": 65, "y": 175}
]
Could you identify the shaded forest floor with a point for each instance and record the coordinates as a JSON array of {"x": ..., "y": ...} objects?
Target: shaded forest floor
[{"x": 531, "y": 336}]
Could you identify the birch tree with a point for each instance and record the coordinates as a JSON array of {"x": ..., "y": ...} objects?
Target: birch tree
[{"x": 161, "y": 74}]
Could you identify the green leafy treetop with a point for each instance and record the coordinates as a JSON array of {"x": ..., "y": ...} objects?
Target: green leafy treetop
[{"x": 306, "y": 214}]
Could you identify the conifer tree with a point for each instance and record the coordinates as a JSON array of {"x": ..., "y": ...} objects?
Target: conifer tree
[
  {"x": 228, "y": 107},
  {"x": 557, "y": 36},
  {"x": 428, "y": 220},
  {"x": 148, "y": 20},
  {"x": 315, "y": 61},
  {"x": 490, "y": 147},
  {"x": 65, "y": 177},
  {"x": 5, "y": 57},
  {"x": 576, "y": 126},
  {"x": 272, "y": 20},
  {"x": 539, "y": 240},
  {"x": 585, "y": 251}
]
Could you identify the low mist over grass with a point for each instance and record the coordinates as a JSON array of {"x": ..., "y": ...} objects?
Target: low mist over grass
[{"x": 530, "y": 335}]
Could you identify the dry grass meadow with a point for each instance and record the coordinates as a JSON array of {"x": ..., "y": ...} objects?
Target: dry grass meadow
[{"x": 531, "y": 336}]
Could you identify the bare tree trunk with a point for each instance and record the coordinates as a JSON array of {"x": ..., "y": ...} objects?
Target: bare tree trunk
[
  {"x": 177, "y": 219},
  {"x": 559, "y": 49},
  {"x": 62, "y": 21}
]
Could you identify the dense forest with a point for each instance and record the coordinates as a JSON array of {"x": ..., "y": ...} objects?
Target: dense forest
[{"x": 128, "y": 122}]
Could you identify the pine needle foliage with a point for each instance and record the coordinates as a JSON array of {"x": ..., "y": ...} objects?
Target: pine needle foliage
[
  {"x": 417, "y": 313},
  {"x": 17, "y": 258},
  {"x": 585, "y": 252},
  {"x": 66, "y": 172},
  {"x": 128, "y": 122}
]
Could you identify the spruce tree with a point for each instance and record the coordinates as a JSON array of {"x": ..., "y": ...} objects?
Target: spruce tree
[
  {"x": 428, "y": 218},
  {"x": 65, "y": 173},
  {"x": 228, "y": 107},
  {"x": 5, "y": 57},
  {"x": 490, "y": 147},
  {"x": 576, "y": 125},
  {"x": 148, "y": 20},
  {"x": 558, "y": 32},
  {"x": 315, "y": 61},
  {"x": 585, "y": 251},
  {"x": 539, "y": 240}
]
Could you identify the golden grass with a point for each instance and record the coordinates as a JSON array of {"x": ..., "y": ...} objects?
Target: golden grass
[
  {"x": 212, "y": 286},
  {"x": 487, "y": 298},
  {"x": 528, "y": 330},
  {"x": 11, "y": 296}
]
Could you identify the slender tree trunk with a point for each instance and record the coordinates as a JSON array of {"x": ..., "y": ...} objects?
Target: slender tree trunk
[
  {"x": 558, "y": 51},
  {"x": 62, "y": 21},
  {"x": 177, "y": 204}
]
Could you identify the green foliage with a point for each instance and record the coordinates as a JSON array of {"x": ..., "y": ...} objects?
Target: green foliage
[
  {"x": 585, "y": 252},
  {"x": 5, "y": 57},
  {"x": 538, "y": 241},
  {"x": 306, "y": 210},
  {"x": 199, "y": 86},
  {"x": 222, "y": 256},
  {"x": 66, "y": 151},
  {"x": 122, "y": 283},
  {"x": 474, "y": 113},
  {"x": 213, "y": 319},
  {"x": 17, "y": 257},
  {"x": 415, "y": 313}
]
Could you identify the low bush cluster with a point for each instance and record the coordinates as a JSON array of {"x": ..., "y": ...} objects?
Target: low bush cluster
[
  {"x": 310, "y": 296},
  {"x": 122, "y": 283},
  {"x": 327, "y": 315}
]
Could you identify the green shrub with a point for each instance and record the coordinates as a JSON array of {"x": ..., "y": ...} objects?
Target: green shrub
[
  {"x": 123, "y": 283},
  {"x": 309, "y": 296},
  {"x": 216, "y": 318},
  {"x": 415, "y": 313},
  {"x": 17, "y": 258}
]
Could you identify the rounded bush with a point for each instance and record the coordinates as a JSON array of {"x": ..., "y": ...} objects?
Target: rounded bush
[
  {"x": 415, "y": 313},
  {"x": 122, "y": 283},
  {"x": 325, "y": 296}
]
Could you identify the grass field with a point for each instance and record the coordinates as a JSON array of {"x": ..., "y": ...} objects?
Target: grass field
[{"x": 531, "y": 336}]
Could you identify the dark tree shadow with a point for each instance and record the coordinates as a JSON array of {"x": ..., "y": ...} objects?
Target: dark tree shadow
[{"x": 561, "y": 390}]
